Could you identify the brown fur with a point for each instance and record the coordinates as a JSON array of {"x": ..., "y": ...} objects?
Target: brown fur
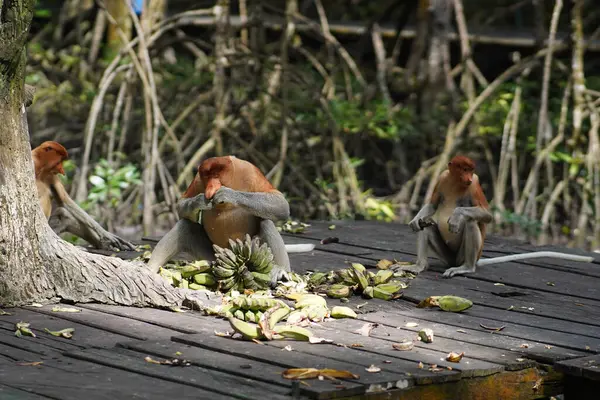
[
  {"x": 47, "y": 160},
  {"x": 226, "y": 221}
]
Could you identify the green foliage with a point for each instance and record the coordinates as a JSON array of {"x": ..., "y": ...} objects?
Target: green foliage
[
  {"x": 509, "y": 217},
  {"x": 110, "y": 185},
  {"x": 372, "y": 119},
  {"x": 379, "y": 210}
]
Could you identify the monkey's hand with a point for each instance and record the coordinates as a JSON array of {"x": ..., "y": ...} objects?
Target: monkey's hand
[
  {"x": 113, "y": 242},
  {"x": 226, "y": 195},
  {"x": 415, "y": 224},
  {"x": 191, "y": 208},
  {"x": 455, "y": 221},
  {"x": 278, "y": 274}
]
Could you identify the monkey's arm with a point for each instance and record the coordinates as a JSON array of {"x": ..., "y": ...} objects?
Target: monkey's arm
[
  {"x": 424, "y": 213},
  {"x": 190, "y": 208},
  {"x": 478, "y": 214},
  {"x": 266, "y": 205},
  {"x": 69, "y": 217}
]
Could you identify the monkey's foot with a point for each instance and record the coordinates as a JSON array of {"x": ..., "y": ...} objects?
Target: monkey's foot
[
  {"x": 416, "y": 268},
  {"x": 463, "y": 269},
  {"x": 278, "y": 274}
]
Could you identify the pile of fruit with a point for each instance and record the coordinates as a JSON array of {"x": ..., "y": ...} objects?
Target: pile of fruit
[
  {"x": 257, "y": 316},
  {"x": 344, "y": 283}
]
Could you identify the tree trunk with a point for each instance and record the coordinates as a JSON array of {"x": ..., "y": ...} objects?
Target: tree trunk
[{"x": 36, "y": 265}]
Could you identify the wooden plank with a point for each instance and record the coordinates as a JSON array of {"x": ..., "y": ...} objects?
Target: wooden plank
[
  {"x": 584, "y": 367},
  {"x": 541, "y": 345},
  {"x": 469, "y": 367},
  {"x": 511, "y": 360},
  {"x": 127, "y": 327},
  {"x": 373, "y": 382},
  {"x": 339, "y": 356},
  {"x": 83, "y": 336},
  {"x": 193, "y": 376},
  {"x": 238, "y": 366},
  {"x": 9, "y": 393},
  {"x": 70, "y": 379},
  {"x": 558, "y": 312}
]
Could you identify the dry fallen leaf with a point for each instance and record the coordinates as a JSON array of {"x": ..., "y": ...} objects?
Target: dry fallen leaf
[
  {"x": 366, "y": 329},
  {"x": 373, "y": 368},
  {"x": 66, "y": 333},
  {"x": 510, "y": 308},
  {"x": 524, "y": 346},
  {"x": 288, "y": 348},
  {"x": 420, "y": 365},
  {"x": 312, "y": 373},
  {"x": 30, "y": 364},
  {"x": 537, "y": 384},
  {"x": 411, "y": 325},
  {"x": 223, "y": 334},
  {"x": 548, "y": 346},
  {"x": 431, "y": 301},
  {"x": 461, "y": 331},
  {"x": 492, "y": 328},
  {"x": 455, "y": 357},
  {"x": 356, "y": 345},
  {"x": 550, "y": 284},
  {"x": 384, "y": 264}
]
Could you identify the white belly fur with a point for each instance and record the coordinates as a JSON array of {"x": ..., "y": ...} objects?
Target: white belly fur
[{"x": 441, "y": 217}]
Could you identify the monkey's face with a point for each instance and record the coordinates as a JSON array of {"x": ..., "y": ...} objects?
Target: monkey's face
[
  {"x": 462, "y": 172},
  {"x": 215, "y": 172},
  {"x": 51, "y": 156}
]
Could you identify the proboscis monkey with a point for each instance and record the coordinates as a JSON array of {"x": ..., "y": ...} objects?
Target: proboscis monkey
[
  {"x": 67, "y": 216},
  {"x": 452, "y": 223},
  {"x": 227, "y": 199}
]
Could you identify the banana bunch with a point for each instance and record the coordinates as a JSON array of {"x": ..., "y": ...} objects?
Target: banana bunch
[
  {"x": 244, "y": 265},
  {"x": 265, "y": 327},
  {"x": 356, "y": 279}
]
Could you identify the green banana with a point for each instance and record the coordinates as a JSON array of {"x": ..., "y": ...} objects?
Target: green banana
[
  {"x": 277, "y": 315},
  {"x": 359, "y": 273},
  {"x": 382, "y": 276},
  {"x": 205, "y": 279},
  {"x": 338, "y": 291},
  {"x": 343, "y": 312},
  {"x": 246, "y": 329},
  {"x": 293, "y": 332},
  {"x": 310, "y": 299}
]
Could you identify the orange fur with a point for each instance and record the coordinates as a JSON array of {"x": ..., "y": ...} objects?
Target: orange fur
[
  {"x": 459, "y": 181},
  {"x": 226, "y": 221},
  {"x": 47, "y": 160}
]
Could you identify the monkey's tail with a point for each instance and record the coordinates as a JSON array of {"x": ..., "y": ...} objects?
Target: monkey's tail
[
  {"x": 299, "y": 248},
  {"x": 535, "y": 254}
]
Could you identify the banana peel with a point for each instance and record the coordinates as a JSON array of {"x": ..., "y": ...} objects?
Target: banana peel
[
  {"x": 293, "y": 332},
  {"x": 343, "y": 312},
  {"x": 339, "y": 291},
  {"x": 307, "y": 300},
  {"x": 246, "y": 329}
]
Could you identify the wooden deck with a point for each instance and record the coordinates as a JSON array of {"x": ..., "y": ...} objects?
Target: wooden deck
[{"x": 549, "y": 344}]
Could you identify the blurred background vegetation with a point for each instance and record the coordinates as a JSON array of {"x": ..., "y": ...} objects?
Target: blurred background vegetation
[{"x": 351, "y": 107}]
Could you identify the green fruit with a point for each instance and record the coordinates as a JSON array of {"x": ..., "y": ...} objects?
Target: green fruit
[
  {"x": 454, "y": 303},
  {"x": 359, "y": 273},
  {"x": 343, "y": 312},
  {"x": 382, "y": 276},
  {"x": 205, "y": 279},
  {"x": 338, "y": 291}
]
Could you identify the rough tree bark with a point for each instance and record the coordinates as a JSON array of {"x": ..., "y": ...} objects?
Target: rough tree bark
[{"x": 35, "y": 264}]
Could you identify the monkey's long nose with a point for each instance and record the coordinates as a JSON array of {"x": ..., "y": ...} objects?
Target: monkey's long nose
[{"x": 211, "y": 188}]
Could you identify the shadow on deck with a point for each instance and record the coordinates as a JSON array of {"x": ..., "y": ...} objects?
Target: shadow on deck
[{"x": 549, "y": 342}]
